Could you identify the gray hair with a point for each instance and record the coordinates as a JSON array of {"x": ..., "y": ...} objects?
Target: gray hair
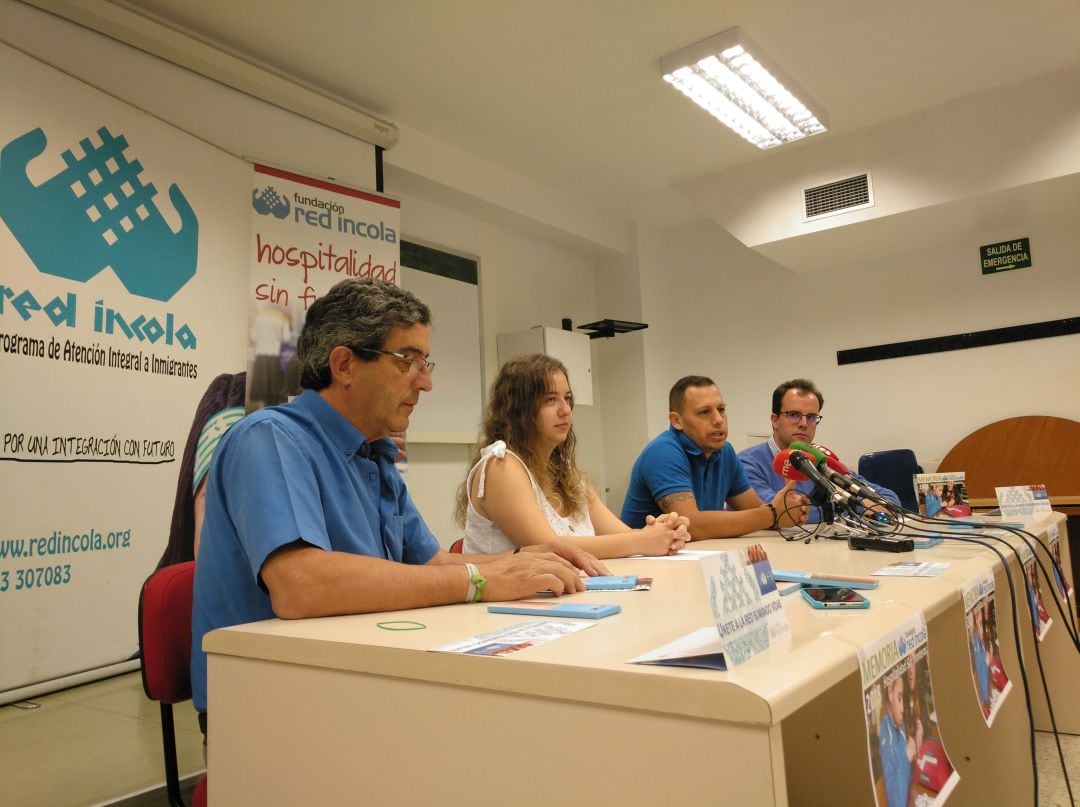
[{"x": 358, "y": 314}]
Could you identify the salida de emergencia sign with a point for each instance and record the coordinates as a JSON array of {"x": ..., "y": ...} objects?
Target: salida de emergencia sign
[{"x": 1007, "y": 255}]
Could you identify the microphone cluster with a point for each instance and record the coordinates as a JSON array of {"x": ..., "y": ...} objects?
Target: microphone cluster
[{"x": 834, "y": 483}]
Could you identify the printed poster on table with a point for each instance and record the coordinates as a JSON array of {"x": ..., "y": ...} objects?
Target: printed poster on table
[
  {"x": 747, "y": 610},
  {"x": 1040, "y": 617},
  {"x": 1054, "y": 542},
  {"x": 908, "y": 762},
  {"x": 942, "y": 495},
  {"x": 120, "y": 300},
  {"x": 306, "y": 235},
  {"x": 987, "y": 670},
  {"x": 1028, "y": 503},
  {"x": 745, "y": 603}
]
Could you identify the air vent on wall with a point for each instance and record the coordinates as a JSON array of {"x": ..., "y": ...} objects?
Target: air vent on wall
[{"x": 842, "y": 196}]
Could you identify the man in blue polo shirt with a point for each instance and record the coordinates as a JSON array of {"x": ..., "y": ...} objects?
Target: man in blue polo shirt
[
  {"x": 306, "y": 514},
  {"x": 692, "y": 469}
]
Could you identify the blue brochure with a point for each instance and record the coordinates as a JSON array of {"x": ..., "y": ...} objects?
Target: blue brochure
[{"x": 577, "y": 610}]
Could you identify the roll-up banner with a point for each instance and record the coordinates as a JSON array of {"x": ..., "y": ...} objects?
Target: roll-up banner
[
  {"x": 123, "y": 270},
  {"x": 307, "y": 234}
]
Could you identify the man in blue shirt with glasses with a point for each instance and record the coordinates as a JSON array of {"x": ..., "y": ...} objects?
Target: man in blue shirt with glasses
[
  {"x": 796, "y": 413},
  {"x": 306, "y": 515}
]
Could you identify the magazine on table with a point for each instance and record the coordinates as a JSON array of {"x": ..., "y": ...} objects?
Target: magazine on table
[{"x": 942, "y": 495}]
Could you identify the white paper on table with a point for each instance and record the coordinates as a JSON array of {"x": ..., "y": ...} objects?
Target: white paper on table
[
  {"x": 701, "y": 648},
  {"x": 682, "y": 554},
  {"x": 911, "y": 568},
  {"x": 514, "y": 637}
]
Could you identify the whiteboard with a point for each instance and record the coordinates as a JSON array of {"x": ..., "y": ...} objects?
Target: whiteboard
[{"x": 448, "y": 284}]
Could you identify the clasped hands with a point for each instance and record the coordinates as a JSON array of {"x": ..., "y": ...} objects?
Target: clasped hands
[{"x": 665, "y": 534}]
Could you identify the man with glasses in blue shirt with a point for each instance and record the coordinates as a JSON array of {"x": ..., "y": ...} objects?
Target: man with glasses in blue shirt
[
  {"x": 306, "y": 515},
  {"x": 796, "y": 413}
]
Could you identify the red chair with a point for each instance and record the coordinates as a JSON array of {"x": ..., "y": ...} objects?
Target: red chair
[
  {"x": 456, "y": 546},
  {"x": 165, "y": 645}
]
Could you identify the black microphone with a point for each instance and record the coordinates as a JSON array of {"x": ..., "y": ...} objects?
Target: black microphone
[
  {"x": 853, "y": 485},
  {"x": 824, "y": 504},
  {"x": 802, "y": 463},
  {"x": 837, "y": 473}
]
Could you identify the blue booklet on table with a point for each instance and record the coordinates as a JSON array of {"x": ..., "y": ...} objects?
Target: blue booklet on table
[
  {"x": 577, "y": 610},
  {"x": 824, "y": 579},
  {"x": 610, "y": 582}
]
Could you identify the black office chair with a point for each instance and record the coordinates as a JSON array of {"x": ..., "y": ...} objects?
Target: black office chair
[{"x": 894, "y": 470}]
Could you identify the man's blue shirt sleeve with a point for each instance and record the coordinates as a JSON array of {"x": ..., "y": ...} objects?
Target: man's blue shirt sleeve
[
  {"x": 756, "y": 464},
  {"x": 666, "y": 470},
  {"x": 739, "y": 482},
  {"x": 273, "y": 495}
]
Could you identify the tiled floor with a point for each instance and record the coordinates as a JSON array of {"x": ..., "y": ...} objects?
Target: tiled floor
[
  {"x": 101, "y": 744},
  {"x": 1052, "y": 792},
  {"x": 89, "y": 745}
]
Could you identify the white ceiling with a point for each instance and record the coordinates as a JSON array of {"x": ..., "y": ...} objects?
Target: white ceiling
[{"x": 567, "y": 93}]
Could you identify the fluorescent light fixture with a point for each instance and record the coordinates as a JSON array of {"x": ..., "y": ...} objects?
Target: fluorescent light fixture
[
  {"x": 732, "y": 79},
  {"x": 123, "y": 21}
]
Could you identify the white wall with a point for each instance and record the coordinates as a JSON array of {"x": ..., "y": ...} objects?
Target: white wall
[
  {"x": 712, "y": 305},
  {"x": 524, "y": 281},
  {"x": 230, "y": 120},
  {"x": 217, "y": 186},
  {"x": 752, "y": 324},
  {"x": 633, "y": 369}
]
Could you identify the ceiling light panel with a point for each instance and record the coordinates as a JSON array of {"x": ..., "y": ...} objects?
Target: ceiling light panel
[{"x": 732, "y": 79}]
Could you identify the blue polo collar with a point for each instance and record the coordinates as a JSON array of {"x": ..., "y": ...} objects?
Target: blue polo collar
[
  {"x": 685, "y": 443},
  {"x": 346, "y": 436}
]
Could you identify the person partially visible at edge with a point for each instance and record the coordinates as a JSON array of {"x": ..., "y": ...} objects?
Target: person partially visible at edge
[
  {"x": 220, "y": 406},
  {"x": 692, "y": 469},
  {"x": 306, "y": 515},
  {"x": 898, "y": 749},
  {"x": 796, "y": 413},
  {"x": 525, "y": 487}
]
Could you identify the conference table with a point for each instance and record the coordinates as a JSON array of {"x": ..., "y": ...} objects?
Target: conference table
[{"x": 343, "y": 710}]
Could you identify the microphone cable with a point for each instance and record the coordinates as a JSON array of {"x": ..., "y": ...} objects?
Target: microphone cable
[
  {"x": 1023, "y": 673},
  {"x": 802, "y": 532},
  {"x": 1066, "y": 614},
  {"x": 1028, "y": 538},
  {"x": 896, "y": 527},
  {"x": 1068, "y": 621},
  {"x": 983, "y": 539}
]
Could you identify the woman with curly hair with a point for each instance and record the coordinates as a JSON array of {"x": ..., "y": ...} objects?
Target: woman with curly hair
[{"x": 525, "y": 487}]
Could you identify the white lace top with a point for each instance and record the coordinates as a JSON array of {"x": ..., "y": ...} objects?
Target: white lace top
[{"x": 483, "y": 536}]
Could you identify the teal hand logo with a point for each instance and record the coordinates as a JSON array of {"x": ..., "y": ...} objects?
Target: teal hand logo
[
  {"x": 95, "y": 214},
  {"x": 270, "y": 202}
]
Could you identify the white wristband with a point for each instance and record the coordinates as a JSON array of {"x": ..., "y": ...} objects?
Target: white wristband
[{"x": 472, "y": 571}]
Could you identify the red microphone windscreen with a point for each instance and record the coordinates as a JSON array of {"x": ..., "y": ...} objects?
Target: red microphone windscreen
[
  {"x": 782, "y": 465},
  {"x": 833, "y": 460}
]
